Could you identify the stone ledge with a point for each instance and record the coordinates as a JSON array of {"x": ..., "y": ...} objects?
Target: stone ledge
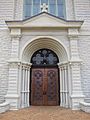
[
  {"x": 4, "y": 107},
  {"x": 85, "y": 107},
  {"x": 77, "y": 96},
  {"x": 12, "y": 96}
]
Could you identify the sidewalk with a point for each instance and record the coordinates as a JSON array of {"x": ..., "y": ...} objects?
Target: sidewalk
[{"x": 45, "y": 113}]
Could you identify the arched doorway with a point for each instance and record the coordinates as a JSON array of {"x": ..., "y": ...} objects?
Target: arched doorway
[
  {"x": 44, "y": 78},
  {"x": 28, "y": 52}
]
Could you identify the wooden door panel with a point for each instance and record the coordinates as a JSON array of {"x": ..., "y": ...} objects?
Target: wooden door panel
[
  {"x": 37, "y": 87},
  {"x": 52, "y": 89},
  {"x": 44, "y": 86}
]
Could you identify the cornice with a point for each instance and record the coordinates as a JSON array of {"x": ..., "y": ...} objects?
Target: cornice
[{"x": 50, "y": 21}]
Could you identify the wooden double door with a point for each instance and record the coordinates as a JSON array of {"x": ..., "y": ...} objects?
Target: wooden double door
[{"x": 44, "y": 86}]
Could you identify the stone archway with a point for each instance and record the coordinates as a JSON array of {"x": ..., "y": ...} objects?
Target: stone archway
[
  {"x": 59, "y": 49},
  {"x": 45, "y": 42}
]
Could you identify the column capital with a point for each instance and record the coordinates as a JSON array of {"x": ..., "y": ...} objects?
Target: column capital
[
  {"x": 73, "y": 33},
  {"x": 63, "y": 64},
  {"x": 75, "y": 63},
  {"x": 16, "y": 37},
  {"x": 15, "y": 33},
  {"x": 26, "y": 64},
  {"x": 14, "y": 63},
  {"x": 75, "y": 60}
]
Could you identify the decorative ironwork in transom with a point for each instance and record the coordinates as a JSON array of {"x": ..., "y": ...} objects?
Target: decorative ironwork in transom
[{"x": 44, "y": 57}]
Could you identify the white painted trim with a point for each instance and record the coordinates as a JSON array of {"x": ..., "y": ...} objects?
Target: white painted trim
[
  {"x": 12, "y": 96},
  {"x": 48, "y": 37},
  {"x": 85, "y": 106},
  {"x": 3, "y": 104},
  {"x": 4, "y": 107},
  {"x": 77, "y": 96}
]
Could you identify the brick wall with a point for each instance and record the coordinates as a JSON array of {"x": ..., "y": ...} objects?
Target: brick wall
[
  {"x": 82, "y": 12},
  {"x": 18, "y": 10},
  {"x": 6, "y": 9},
  {"x": 84, "y": 49},
  {"x": 6, "y": 13},
  {"x": 5, "y": 46}
]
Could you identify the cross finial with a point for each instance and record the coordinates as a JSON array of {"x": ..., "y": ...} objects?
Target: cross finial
[{"x": 44, "y": 7}]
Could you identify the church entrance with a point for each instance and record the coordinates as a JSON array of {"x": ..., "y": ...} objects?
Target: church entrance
[
  {"x": 44, "y": 78},
  {"x": 44, "y": 86}
]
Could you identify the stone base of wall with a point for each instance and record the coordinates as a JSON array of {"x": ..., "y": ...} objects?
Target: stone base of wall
[
  {"x": 4, "y": 107},
  {"x": 75, "y": 100},
  {"x": 85, "y": 107}
]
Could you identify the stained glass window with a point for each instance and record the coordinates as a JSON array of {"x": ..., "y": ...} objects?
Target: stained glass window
[
  {"x": 44, "y": 57},
  {"x": 33, "y": 7},
  {"x": 36, "y": 6},
  {"x": 52, "y": 6}
]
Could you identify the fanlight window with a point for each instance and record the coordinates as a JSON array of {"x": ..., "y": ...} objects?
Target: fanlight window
[
  {"x": 34, "y": 7},
  {"x": 44, "y": 57}
]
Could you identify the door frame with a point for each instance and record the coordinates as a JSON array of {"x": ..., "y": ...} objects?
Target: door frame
[{"x": 44, "y": 66}]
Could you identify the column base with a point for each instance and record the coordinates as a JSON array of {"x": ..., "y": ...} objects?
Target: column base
[
  {"x": 4, "y": 107},
  {"x": 13, "y": 100},
  {"x": 85, "y": 107},
  {"x": 75, "y": 101}
]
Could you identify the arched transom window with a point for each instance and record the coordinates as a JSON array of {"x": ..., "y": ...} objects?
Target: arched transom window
[
  {"x": 44, "y": 57},
  {"x": 34, "y": 7}
]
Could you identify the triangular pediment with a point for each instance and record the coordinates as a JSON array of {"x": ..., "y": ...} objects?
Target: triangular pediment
[{"x": 44, "y": 20}]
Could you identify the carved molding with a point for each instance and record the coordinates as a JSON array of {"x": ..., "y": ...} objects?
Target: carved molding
[
  {"x": 19, "y": 63},
  {"x": 16, "y": 37},
  {"x": 52, "y": 22},
  {"x": 15, "y": 31},
  {"x": 64, "y": 64},
  {"x": 73, "y": 33},
  {"x": 75, "y": 64},
  {"x": 26, "y": 65}
]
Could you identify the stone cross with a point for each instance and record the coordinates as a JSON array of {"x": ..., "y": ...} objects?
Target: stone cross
[{"x": 44, "y": 7}]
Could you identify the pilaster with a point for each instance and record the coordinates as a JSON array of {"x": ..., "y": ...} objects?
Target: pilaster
[
  {"x": 73, "y": 42},
  {"x": 15, "y": 37},
  {"x": 76, "y": 91},
  {"x": 13, "y": 84},
  {"x": 14, "y": 67}
]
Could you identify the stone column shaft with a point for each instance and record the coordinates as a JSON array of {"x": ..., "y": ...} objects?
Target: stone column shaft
[
  {"x": 25, "y": 85},
  {"x": 63, "y": 85}
]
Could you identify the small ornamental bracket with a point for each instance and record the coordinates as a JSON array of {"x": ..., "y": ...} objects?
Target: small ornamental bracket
[{"x": 44, "y": 7}]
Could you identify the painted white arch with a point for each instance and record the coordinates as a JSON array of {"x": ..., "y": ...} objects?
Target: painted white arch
[{"x": 44, "y": 42}]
